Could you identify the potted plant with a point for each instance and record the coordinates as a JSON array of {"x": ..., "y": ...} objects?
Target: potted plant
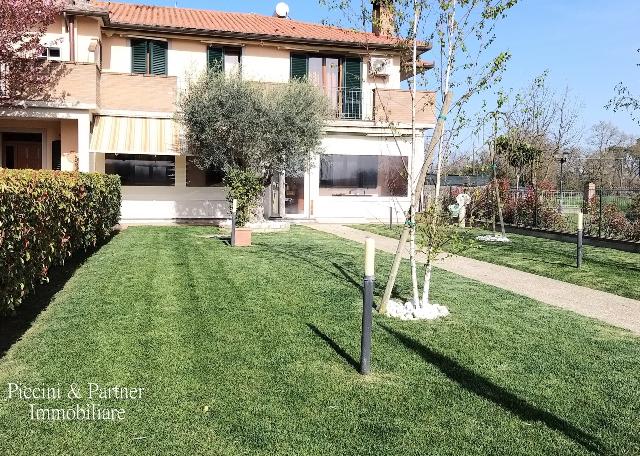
[{"x": 246, "y": 188}]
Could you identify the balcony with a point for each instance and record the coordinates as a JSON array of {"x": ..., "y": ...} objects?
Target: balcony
[
  {"x": 394, "y": 105},
  {"x": 381, "y": 105},
  {"x": 138, "y": 92},
  {"x": 83, "y": 85},
  {"x": 72, "y": 84}
]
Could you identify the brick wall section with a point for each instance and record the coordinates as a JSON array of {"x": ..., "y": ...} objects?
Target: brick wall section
[
  {"x": 136, "y": 92},
  {"x": 77, "y": 84},
  {"x": 391, "y": 105}
]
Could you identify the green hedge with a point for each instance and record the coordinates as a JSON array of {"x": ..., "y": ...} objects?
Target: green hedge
[{"x": 46, "y": 216}]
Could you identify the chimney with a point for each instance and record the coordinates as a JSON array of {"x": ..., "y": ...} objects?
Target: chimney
[{"x": 383, "y": 22}]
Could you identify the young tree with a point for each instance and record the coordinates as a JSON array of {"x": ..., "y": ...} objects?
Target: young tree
[
  {"x": 463, "y": 30},
  {"x": 519, "y": 155},
  {"x": 547, "y": 120},
  {"x": 23, "y": 74},
  {"x": 625, "y": 100},
  {"x": 257, "y": 129}
]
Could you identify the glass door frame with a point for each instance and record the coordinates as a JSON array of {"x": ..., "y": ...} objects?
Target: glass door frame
[{"x": 306, "y": 194}]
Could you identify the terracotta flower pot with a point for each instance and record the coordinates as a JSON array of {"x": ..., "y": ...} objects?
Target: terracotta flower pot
[{"x": 243, "y": 237}]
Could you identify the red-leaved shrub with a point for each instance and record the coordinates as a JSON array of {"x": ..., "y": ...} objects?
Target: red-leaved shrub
[{"x": 45, "y": 216}]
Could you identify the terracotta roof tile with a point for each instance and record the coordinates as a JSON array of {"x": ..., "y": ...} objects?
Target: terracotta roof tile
[{"x": 131, "y": 15}]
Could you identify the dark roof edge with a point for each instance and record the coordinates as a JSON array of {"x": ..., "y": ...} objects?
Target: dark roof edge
[{"x": 265, "y": 37}]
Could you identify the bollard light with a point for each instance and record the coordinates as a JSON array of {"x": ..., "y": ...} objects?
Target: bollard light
[
  {"x": 234, "y": 210},
  {"x": 579, "y": 240},
  {"x": 367, "y": 305},
  {"x": 580, "y": 221},
  {"x": 369, "y": 257}
]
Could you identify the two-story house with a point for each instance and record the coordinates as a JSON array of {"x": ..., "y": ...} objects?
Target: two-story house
[{"x": 126, "y": 64}]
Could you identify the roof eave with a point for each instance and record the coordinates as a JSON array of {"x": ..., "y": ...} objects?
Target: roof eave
[{"x": 266, "y": 37}]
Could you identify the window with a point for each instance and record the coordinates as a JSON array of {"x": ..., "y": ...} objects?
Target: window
[
  {"x": 149, "y": 57},
  {"x": 199, "y": 178},
  {"x": 363, "y": 175},
  {"x": 149, "y": 170},
  {"x": 339, "y": 77},
  {"x": 224, "y": 59},
  {"x": 56, "y": 155},
  {"x": 51, "y": 53}
]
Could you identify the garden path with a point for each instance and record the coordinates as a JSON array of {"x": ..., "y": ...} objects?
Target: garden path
[{"x": 615, "y": 310}]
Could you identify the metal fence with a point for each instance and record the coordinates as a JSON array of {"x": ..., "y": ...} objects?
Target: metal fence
[{"x": 608, "y": 213}]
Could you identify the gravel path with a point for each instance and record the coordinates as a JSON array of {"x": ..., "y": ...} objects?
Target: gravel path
[{"x": 615, "y": 310}]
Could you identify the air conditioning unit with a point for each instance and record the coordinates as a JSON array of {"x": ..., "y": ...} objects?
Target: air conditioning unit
[{"x": 380, "y": 66}]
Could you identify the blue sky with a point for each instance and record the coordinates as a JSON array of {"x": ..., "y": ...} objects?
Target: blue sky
[{"x": 589, "y": 45}]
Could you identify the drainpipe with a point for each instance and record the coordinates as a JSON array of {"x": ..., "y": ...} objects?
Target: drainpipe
[{"x": 72, "y": 39}]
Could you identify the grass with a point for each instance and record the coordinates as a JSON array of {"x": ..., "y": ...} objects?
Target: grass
[
  {"x": 603, "y": 269},
  {"x": 253, "y": 351}
]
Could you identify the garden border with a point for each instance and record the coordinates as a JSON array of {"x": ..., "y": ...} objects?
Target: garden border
[{"x": 564, "y": 236}]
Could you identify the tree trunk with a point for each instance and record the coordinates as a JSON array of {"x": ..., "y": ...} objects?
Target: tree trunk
[{"x": 435, "y": 139}]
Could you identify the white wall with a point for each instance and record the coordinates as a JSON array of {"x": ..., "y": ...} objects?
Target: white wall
[{"x": 161, "y": 203}]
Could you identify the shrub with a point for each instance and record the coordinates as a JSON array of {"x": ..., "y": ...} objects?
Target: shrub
[
  {"x": 245, "y": 187},
  {"x": 46, "y": 216}
]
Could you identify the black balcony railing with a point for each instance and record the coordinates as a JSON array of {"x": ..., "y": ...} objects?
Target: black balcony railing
[
  {"x": 351, "y": 106},
  {"x": 345, "y": 102}
]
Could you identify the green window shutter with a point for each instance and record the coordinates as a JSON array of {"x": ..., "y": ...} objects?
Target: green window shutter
[
  {"x": 352, "y": 88},
  {"x": 158, "y": 57},
  {"x": 139, "y": 56},
  {"x": 215, "y": 58},
  {"x": 299, "y": 66}
]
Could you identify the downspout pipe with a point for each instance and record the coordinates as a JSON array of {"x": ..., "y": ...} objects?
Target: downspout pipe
[{"x": 72, "y": 38}]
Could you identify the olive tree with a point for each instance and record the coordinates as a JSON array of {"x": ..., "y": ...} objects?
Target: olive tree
[{"x": 251, "y": 130}]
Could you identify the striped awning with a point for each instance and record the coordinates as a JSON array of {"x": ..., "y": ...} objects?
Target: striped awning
[{"x": 134, "y": 135}]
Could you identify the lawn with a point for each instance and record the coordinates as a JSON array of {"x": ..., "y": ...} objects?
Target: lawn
[
  {"x": 253, "y": 351},
  {"x": 608, "y": 270}
]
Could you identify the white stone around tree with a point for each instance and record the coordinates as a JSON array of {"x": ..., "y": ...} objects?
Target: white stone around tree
[
  {"x": 493, "y": 238},
  {"x": 411, "y": 310}
]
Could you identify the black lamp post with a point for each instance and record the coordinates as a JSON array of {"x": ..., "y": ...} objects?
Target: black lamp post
[{"x": 563, "y": 159}]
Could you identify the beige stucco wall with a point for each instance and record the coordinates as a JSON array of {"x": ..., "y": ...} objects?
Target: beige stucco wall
[
  {"x": 266, "y": 64},
  {"x": 56, "y": 36},
  {"x": 186, "y": 59},
  {"x": 87, "y": 29},
  {"x": 69, "y": 144},
  {"x": 116, "y": 54}
]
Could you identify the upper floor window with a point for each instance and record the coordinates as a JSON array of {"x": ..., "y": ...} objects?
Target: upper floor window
[
  {"x": 51, "y": 53},
  {"x": 339, "y": 77},
  {"x": 149, "y": 57},
  {"x": 225, "y": 59}
]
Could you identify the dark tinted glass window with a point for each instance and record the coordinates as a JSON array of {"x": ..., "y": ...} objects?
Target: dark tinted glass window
[
  {"x": 151, "y": 170},
  {"x": 199, "y": 178},
  {"x": 349, "y": 171},
  {"x": 56, "y": 157},
  {"x": 368, "y": 175}
]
